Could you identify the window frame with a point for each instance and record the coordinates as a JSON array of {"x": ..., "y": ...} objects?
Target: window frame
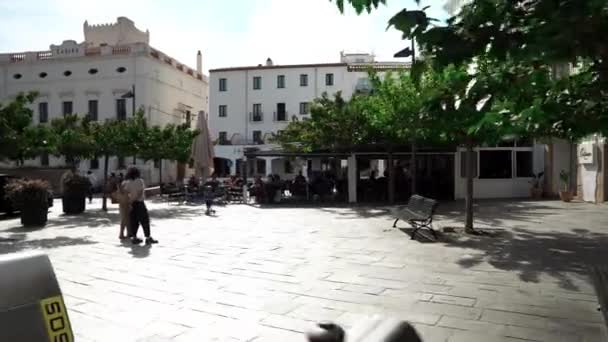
[
  {"x": 222, "y": 111},
  {"x": 329, "y": 79},
  {"x": 45, "y": 105},
  {"x": 513, "y": 151},
  {"x": 280, "y": 81},
  {"x": 65, "y": 105},
  {"x": 93, "y": 116},
  {"x": 304, "y": 80},
  {"x": 257, "y": 82},
  {"x": 222, "y": 137},
  {"x": 304, "y": 108},
  {"x": 253, "y": 136},
  {"x": 118, "y": 109},
  {"x": 223, "y": 84}
]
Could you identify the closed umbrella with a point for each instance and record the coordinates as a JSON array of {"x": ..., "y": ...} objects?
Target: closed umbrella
[{"x": 202, "y": 149}]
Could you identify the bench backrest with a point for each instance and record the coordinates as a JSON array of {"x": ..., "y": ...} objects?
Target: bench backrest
[{"x": 424, "y": 206}]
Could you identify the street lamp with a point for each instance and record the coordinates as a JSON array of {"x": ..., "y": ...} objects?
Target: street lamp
[{"x": 130, "y": 95}]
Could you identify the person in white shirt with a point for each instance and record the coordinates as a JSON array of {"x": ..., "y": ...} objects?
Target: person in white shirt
[
  {"x": 138, "y": 214},
  {"x": 93, "y": 181}
]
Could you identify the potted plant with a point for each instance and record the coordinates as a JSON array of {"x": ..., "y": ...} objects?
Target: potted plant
[
  {"x": 31, "y": 198},
  {"x": 565, "y": 194},
  {"x": 536, "y": 192},
  {"x": 75, "y": 190}
]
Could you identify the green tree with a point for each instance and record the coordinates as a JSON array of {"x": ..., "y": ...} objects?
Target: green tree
[
  {"x": 73, "y": 140},
  {"x": 110, "y": 139},
  {"x": 15, "y": 121}
]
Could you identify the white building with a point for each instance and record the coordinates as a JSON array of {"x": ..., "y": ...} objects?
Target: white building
[
  {"x": 249, "y": 104},
  {"x": 91, "y": 77}
]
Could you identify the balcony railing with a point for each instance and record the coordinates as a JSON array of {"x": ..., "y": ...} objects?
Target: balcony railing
[
  {"x": 256, "y": 117},
  {"x": 281, "y": 116}
]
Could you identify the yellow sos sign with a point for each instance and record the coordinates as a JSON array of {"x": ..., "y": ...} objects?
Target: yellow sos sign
[{"x": 56, "y": 319}]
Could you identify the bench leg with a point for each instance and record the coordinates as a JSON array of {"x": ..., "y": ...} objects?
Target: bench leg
[
  {"x": 395, "y": 224},
  {"x": 416, "y": 227}
]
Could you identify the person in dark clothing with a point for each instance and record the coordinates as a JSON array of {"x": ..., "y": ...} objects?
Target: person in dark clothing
[{"x": 138, "y": 214}]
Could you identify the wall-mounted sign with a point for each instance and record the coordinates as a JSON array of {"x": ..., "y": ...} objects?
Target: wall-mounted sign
[{"x": 586, "y": 153}]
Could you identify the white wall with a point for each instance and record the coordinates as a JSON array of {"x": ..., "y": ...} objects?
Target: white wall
[
  {"x": 589, "y": 172},
  {"x": 240, "y": 97},
  {"x": 498, "y": 188},
  {"x": 161, "y": 89}
]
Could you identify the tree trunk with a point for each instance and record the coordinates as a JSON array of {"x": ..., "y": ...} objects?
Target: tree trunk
[
  {"x": 160, "y": 172},
  {"x": 468, "y": 225},
  {"x": 391, "y": 178},
  {"x": 104, "y": 205},
  {"x": 413, "y": 167}
]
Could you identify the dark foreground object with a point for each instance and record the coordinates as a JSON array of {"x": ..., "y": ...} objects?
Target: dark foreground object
[
  {"x": 373, "y": 330},
  {"x": 31, "y": 304}
]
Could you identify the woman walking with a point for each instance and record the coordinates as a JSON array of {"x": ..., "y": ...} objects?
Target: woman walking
[
  {"x": 124, "y": 206},
  {"x": 138, "y": 214}
]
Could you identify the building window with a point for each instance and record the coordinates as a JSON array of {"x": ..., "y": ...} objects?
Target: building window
[
  {"x": 157, "y": 163},
  {"x": 281, "y": 113},
  {"x": 121, "y": 163},
  {"x": 67, "y": 73},
  {"x": 288, "y": 166},
  {"x": 67, "y": 107},
  {"x": 17, "y": 76},
  {"x": 463, "y": 164},
  {"x": 304, "y": 108},
  {"x": 257, "y": 82},
  {"x": 304, "y": 80},
  {"x": 223, "y": 84},
  {"x": 257, "y": 114},
  {"x": 188, "y": 119},
  {"x": 121, "y": 109},
  {"x": 94, "y": 164},
  {"x": 42, "y": 74},
  {"x": 43, "y": 112},
  {"x": 121, "y": 69},
  {"x": 93, "y": 106},
  {"x": 260, "y": 166},
  {"x": 93, "y": 71},
  {"x": 223, "y": 138},
  {"x": 329, "y": 79},
  {"x": 223, "y": 111},
  {"x": 524, "y": 164},
  {"x": 281, "y": 81},
  {"x": 495, "y": 164},
  {"x": 44, "y": 159},
  {"x": 257, "y": 137}
]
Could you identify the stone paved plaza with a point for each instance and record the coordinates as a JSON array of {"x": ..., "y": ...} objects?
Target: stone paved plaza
[{"x": 267, "y": 274}]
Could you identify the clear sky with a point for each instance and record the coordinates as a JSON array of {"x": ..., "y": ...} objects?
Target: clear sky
[{"x": 228, "y": 32}]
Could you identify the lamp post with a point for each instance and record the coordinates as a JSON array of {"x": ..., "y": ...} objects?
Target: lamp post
[
  {"x": 131, "y": 95},
  {"x": 407, "y": 52}
]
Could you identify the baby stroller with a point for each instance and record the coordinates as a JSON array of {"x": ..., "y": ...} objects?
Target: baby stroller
[{"x": 208, "y": 196}]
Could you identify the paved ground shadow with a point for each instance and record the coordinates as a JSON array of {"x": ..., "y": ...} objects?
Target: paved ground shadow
[{"x": 18, "y": 242}]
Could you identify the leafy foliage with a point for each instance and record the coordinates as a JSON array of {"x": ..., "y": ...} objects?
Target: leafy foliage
[
  {"x": 73, "y": 140},
  {"x": 360, "y": 5},
  {"x": 15, "y": 118},
  {"x": 22, "y": 192}
]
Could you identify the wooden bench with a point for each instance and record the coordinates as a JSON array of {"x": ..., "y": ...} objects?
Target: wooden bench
[
  {"x": 418, "y": 213},
  {"x": 599, "y": 276}
]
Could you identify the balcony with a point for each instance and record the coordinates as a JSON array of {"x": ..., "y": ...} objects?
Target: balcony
[
  {"x": 281, "y": 116},
  {"x": 256, "y": 117}
]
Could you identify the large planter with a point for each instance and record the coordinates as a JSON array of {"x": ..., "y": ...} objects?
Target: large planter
[
  {"x": 536, "y": 193},
  {"x": 565, "y": 196},
  {"x": 73, "y": 204},
  {"x": 34, "y": 214}
]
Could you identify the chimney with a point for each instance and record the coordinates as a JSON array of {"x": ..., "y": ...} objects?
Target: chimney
[
  {"x": 199, "y": 62},
  {"x": 269, "y": 62}
]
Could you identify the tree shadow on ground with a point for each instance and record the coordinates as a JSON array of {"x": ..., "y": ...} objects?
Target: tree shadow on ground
[
  {"x": 532, "y": 253},
  {"x": 18, "y": 242}
]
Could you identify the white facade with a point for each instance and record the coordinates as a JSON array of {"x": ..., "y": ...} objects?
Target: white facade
[
  {"x": 279, "y": 85},
  {"x": 113, "y": 59}
]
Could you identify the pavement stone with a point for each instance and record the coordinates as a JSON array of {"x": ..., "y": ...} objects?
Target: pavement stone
[{"x": 269, "y": 274}]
